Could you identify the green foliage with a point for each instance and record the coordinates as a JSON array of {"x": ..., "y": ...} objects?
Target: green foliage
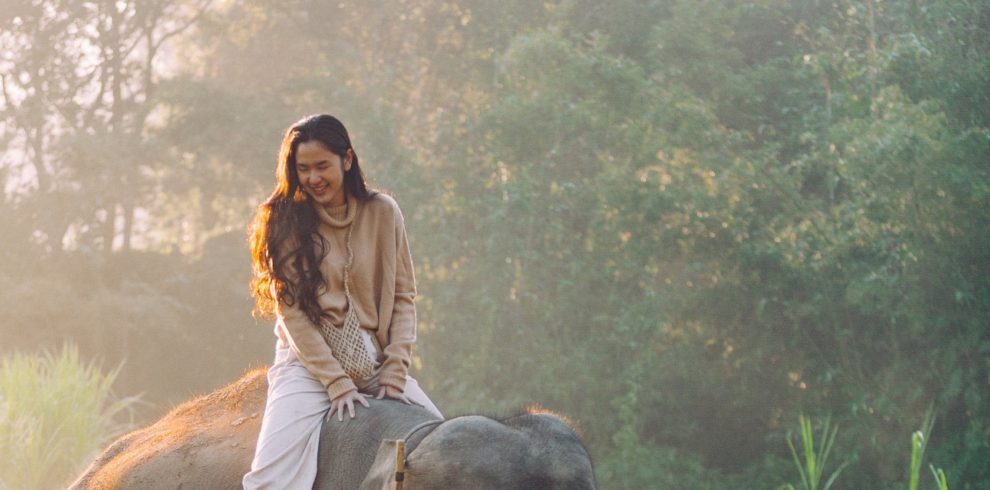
[
  {"x": 635, "y": 465},
  {"x": 812, "y": 468},
  {"x": 142, "y": 309},
  {"x": 919, "y": 441},
  {"x": 940, "y": 480},
  {"x": 56, "y": 412},
  {"x": 814, "y": 459}
]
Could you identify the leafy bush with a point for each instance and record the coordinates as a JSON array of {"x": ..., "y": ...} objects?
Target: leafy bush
[
  {"x": 56, "y": 411},
  {"x": 645, "y": 466}
]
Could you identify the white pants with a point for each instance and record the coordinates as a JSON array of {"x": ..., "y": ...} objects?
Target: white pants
[{"x": 288, "y": 443}]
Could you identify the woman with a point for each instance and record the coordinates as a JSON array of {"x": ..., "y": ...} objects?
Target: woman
[{"x": 332, "y": 265}]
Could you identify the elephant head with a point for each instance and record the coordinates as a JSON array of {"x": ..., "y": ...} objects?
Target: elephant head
[{"x": 531, "y": 451}]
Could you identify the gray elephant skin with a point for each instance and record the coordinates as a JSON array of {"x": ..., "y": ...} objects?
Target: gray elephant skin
[{"x": 208, "y": 442}]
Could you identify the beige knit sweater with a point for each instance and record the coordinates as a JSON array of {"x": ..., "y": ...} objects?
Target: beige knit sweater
[{"x": 382, "y": 284}]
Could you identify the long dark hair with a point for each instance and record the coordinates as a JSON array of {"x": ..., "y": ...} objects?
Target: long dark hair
[{"x": 286, "y": 248}]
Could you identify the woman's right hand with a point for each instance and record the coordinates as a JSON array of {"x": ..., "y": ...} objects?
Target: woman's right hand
[{"x": 346, "y": 400}]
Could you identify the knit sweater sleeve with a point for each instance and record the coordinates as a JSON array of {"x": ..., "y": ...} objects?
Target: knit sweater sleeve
[
  {"x": 313, "y": 352},
  {"x": 402, "y": 330}
]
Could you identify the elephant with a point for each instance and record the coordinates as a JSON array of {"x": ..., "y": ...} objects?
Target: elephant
[{"x": 208, "y": 442}]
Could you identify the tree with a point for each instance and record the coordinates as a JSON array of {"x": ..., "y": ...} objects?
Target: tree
[{"x": 79, "y": 83}]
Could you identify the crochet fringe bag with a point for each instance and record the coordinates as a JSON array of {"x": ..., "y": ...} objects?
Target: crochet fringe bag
[{"x": 347, "y": 341}]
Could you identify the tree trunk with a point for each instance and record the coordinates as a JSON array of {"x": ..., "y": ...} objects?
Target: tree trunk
[
  {"x": 128, "y": 225},
  {"x": 109, "y": 228}
]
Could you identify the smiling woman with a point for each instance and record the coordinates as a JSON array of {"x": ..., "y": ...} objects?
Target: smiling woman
[
  {"x": 321, "y": 172},
  {"x": 332, "y": 265}
]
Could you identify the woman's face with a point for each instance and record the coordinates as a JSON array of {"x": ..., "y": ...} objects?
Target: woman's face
[{"x": 321, "y": 173}]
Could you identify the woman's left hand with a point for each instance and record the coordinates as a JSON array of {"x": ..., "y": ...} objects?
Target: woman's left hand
[{"x": 393, "y": 393}]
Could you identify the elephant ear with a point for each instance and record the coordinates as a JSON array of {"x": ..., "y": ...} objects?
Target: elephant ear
[{"x": 382, "y": 472}]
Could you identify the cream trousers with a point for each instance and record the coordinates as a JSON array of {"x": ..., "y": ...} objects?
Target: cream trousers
[{"x": 286, "y": 454}]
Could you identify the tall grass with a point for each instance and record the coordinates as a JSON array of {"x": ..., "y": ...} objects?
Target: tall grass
[
  {"x": 919, "y": 441},
  {"x": 812, "y": 467},
  {"x": 55, "y": 413}
]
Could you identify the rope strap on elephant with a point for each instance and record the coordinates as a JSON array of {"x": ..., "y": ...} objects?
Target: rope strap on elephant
[{"x": 401, "y": 453}]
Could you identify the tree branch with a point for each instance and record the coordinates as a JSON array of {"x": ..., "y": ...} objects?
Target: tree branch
[{"x": 195, "y": 18}]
